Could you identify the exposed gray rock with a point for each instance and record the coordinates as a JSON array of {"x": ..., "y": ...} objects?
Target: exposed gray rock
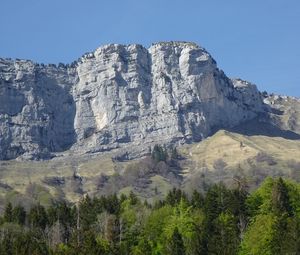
[
  {"x": 118, "y": 96},
  {"x": 36, "y": 109},
  {"x": 284, "y": 112},
  {"x": 248, "y": 94}
]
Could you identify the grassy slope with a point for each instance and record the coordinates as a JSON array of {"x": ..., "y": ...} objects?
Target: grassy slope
[
  {"x": 227, "y": 145},
  {"x": 19, "y": 174},
  {"x": 200, "y": 166},
  {"x": 239, "y": 154}
]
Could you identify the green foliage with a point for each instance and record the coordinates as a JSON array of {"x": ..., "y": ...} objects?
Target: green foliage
[
  {"x": 175, "y": 196},
  {"x": 153, "y": 232},
  {"x": 220, "y": 225},
  {"x": 159, "y": 153},
  {"x": 8, "y": 213},
  {"x": 225, "y": 239},
  {"x": 18, "y": 241},
  {"x": 222, "y": 221},
  {"x": 182, "y": 221},
  {"x": 274, "y": 227},
  {"x": 133, "y": 198},
  {"x": 37, "y": 217},
  {"x": 87, "y": 214},
  {"x": 258, "y": 238},
  {"x": 176, "y": 246},
  {"x": 197, "y": 200},
  {"x": 19, "y": 215},
  {"x": 280, "y": 198}
]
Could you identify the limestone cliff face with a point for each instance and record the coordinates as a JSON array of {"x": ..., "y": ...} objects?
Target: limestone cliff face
[
  {"x": 36, "y": 109},
  {"x": 118, "y": 96}
]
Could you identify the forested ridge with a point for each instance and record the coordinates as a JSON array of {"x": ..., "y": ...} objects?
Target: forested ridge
[{"x": 221, "y": 221}]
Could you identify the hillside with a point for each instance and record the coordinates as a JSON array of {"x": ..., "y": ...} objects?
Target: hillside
[
  {"x": 226, "y": 156},
  {"x": 232, "y": 158},
  {"x": 90, "y": 127}
]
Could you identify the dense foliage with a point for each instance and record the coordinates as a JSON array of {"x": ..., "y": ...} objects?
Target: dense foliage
[{"x": 221, "y": 221}]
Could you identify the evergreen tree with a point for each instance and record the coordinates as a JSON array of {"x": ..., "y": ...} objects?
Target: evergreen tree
[
  {"x": 88, "y": 214},
  {"x": 38, "y": 217},
  {"x": 174, "y": 197},
  {"x": 218, "y": 200},
  {"x": 133, "y": 198},
  {"x": 176, "y": 246},
  {"x": 197, "y": 200},
  {"x": 274, "y": 228},
  {"x": 90, "y": 245},
  {"x": 222, "y": 221},
  {"x": 19, "y": 215},
  {"x": 280, "y": 198},
  {"x": 6, "y": 247},
  {"x": 8, "y": 213},
  {"x": 112, "y": 204},
  {"x": 239, "y": 209},
  {"x": 225, "y": 239},
  {"x": 159, "y": 153}
]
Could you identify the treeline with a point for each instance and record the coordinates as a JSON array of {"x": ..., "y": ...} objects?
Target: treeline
[{"x": 222, "y": 221}]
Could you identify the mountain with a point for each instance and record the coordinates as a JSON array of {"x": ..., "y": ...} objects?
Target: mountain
[
  {"x": 123, "y": 97},
  {"x": 99, "y": 118}
]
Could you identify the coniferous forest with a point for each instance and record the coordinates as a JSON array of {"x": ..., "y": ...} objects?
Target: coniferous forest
[{"x": 221, "y": 221}]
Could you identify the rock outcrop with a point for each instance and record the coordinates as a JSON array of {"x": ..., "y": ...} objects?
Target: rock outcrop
[
  {"x": 119, "y": 96},
  {"x": 37, "y": 109},
  {"x": 284, "y": 111}
]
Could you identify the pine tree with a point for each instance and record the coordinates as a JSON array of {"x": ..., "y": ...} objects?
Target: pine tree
[
  {"x": 174, "y": 196},
  {"x": 218, "y": 200},
  {"x": 112, "y": 204},
  {"x": 225, "y": 239},
  {"x": 6, "y": 246},
  {"x": 8, "y": 213},
  {"x": 280, "y": 198},
  {"x": 133, "y": 198},
  {"x": 159, "y": 153},
  {"x": 239, "y": 209},
  {"x": 89, "y": 244},
  {"x": 197, "y": 200},
  {"x": 38, "y": 217},
  {"x": 274, "y": 227},
  {"x": 176, "y": 246},
  {"x": 282, "y": 209},
  {"x": 88, "y": 214},
  {"x": 19, "y": 215}
]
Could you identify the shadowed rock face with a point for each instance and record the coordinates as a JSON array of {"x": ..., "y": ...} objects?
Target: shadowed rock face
[
  {"x": 119, "y": 96},
  {"x": 36, "y": 109}
]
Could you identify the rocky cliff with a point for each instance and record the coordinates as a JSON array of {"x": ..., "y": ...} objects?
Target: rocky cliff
[{"x": 119, "y": 97}]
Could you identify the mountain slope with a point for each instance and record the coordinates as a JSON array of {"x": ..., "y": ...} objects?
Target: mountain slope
[
  {"x": 94, "y": 123},
  {"x": 226, "y": 156},
  {"x": 118, "y": 96}
]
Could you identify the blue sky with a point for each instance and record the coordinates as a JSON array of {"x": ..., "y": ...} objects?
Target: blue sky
[{"x": 257, "y": 40}]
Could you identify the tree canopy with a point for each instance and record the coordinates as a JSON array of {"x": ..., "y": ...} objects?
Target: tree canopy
[{"x": 222, "y": 221}]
